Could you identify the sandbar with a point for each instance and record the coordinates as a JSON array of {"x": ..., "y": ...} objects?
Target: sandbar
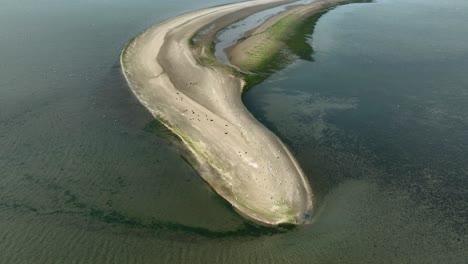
[{"x": 201, "y": 103}]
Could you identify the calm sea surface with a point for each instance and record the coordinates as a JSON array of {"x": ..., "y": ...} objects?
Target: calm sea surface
[{"x": 378, "y": 121}]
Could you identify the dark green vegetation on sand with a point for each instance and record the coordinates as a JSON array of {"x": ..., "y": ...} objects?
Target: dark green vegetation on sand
[{"x": 296, "y": 46}]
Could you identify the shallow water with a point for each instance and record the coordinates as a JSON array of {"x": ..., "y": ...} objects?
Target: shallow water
[{"x": 378, "y": 122}]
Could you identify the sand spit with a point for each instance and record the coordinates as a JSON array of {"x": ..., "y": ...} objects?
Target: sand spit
[
  {"x": 268, "y": 39},
  {"x": 236, "y": 155}
]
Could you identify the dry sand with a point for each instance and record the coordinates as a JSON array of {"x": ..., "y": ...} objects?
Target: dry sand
[{"x": 235, "y": 154}]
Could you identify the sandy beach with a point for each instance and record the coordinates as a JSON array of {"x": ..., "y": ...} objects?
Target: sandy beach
[{"x": 235, "y": 154}]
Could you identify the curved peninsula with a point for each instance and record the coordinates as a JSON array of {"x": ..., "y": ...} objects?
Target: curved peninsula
[{"x": 199, "y": 100}]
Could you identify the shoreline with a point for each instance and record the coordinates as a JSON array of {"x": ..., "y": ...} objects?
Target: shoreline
[{"x": 200, "y": 102}]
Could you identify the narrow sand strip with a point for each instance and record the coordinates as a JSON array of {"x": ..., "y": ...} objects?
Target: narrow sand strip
[
  {"x": 237, "y": 156},
  {"x": 267, "y": 40}
]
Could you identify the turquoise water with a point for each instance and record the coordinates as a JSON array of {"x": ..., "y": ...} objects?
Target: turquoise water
[{"x": 378, "y": 122}]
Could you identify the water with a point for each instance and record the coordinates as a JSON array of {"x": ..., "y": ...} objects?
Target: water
[{"x": 377, "y": 121}]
